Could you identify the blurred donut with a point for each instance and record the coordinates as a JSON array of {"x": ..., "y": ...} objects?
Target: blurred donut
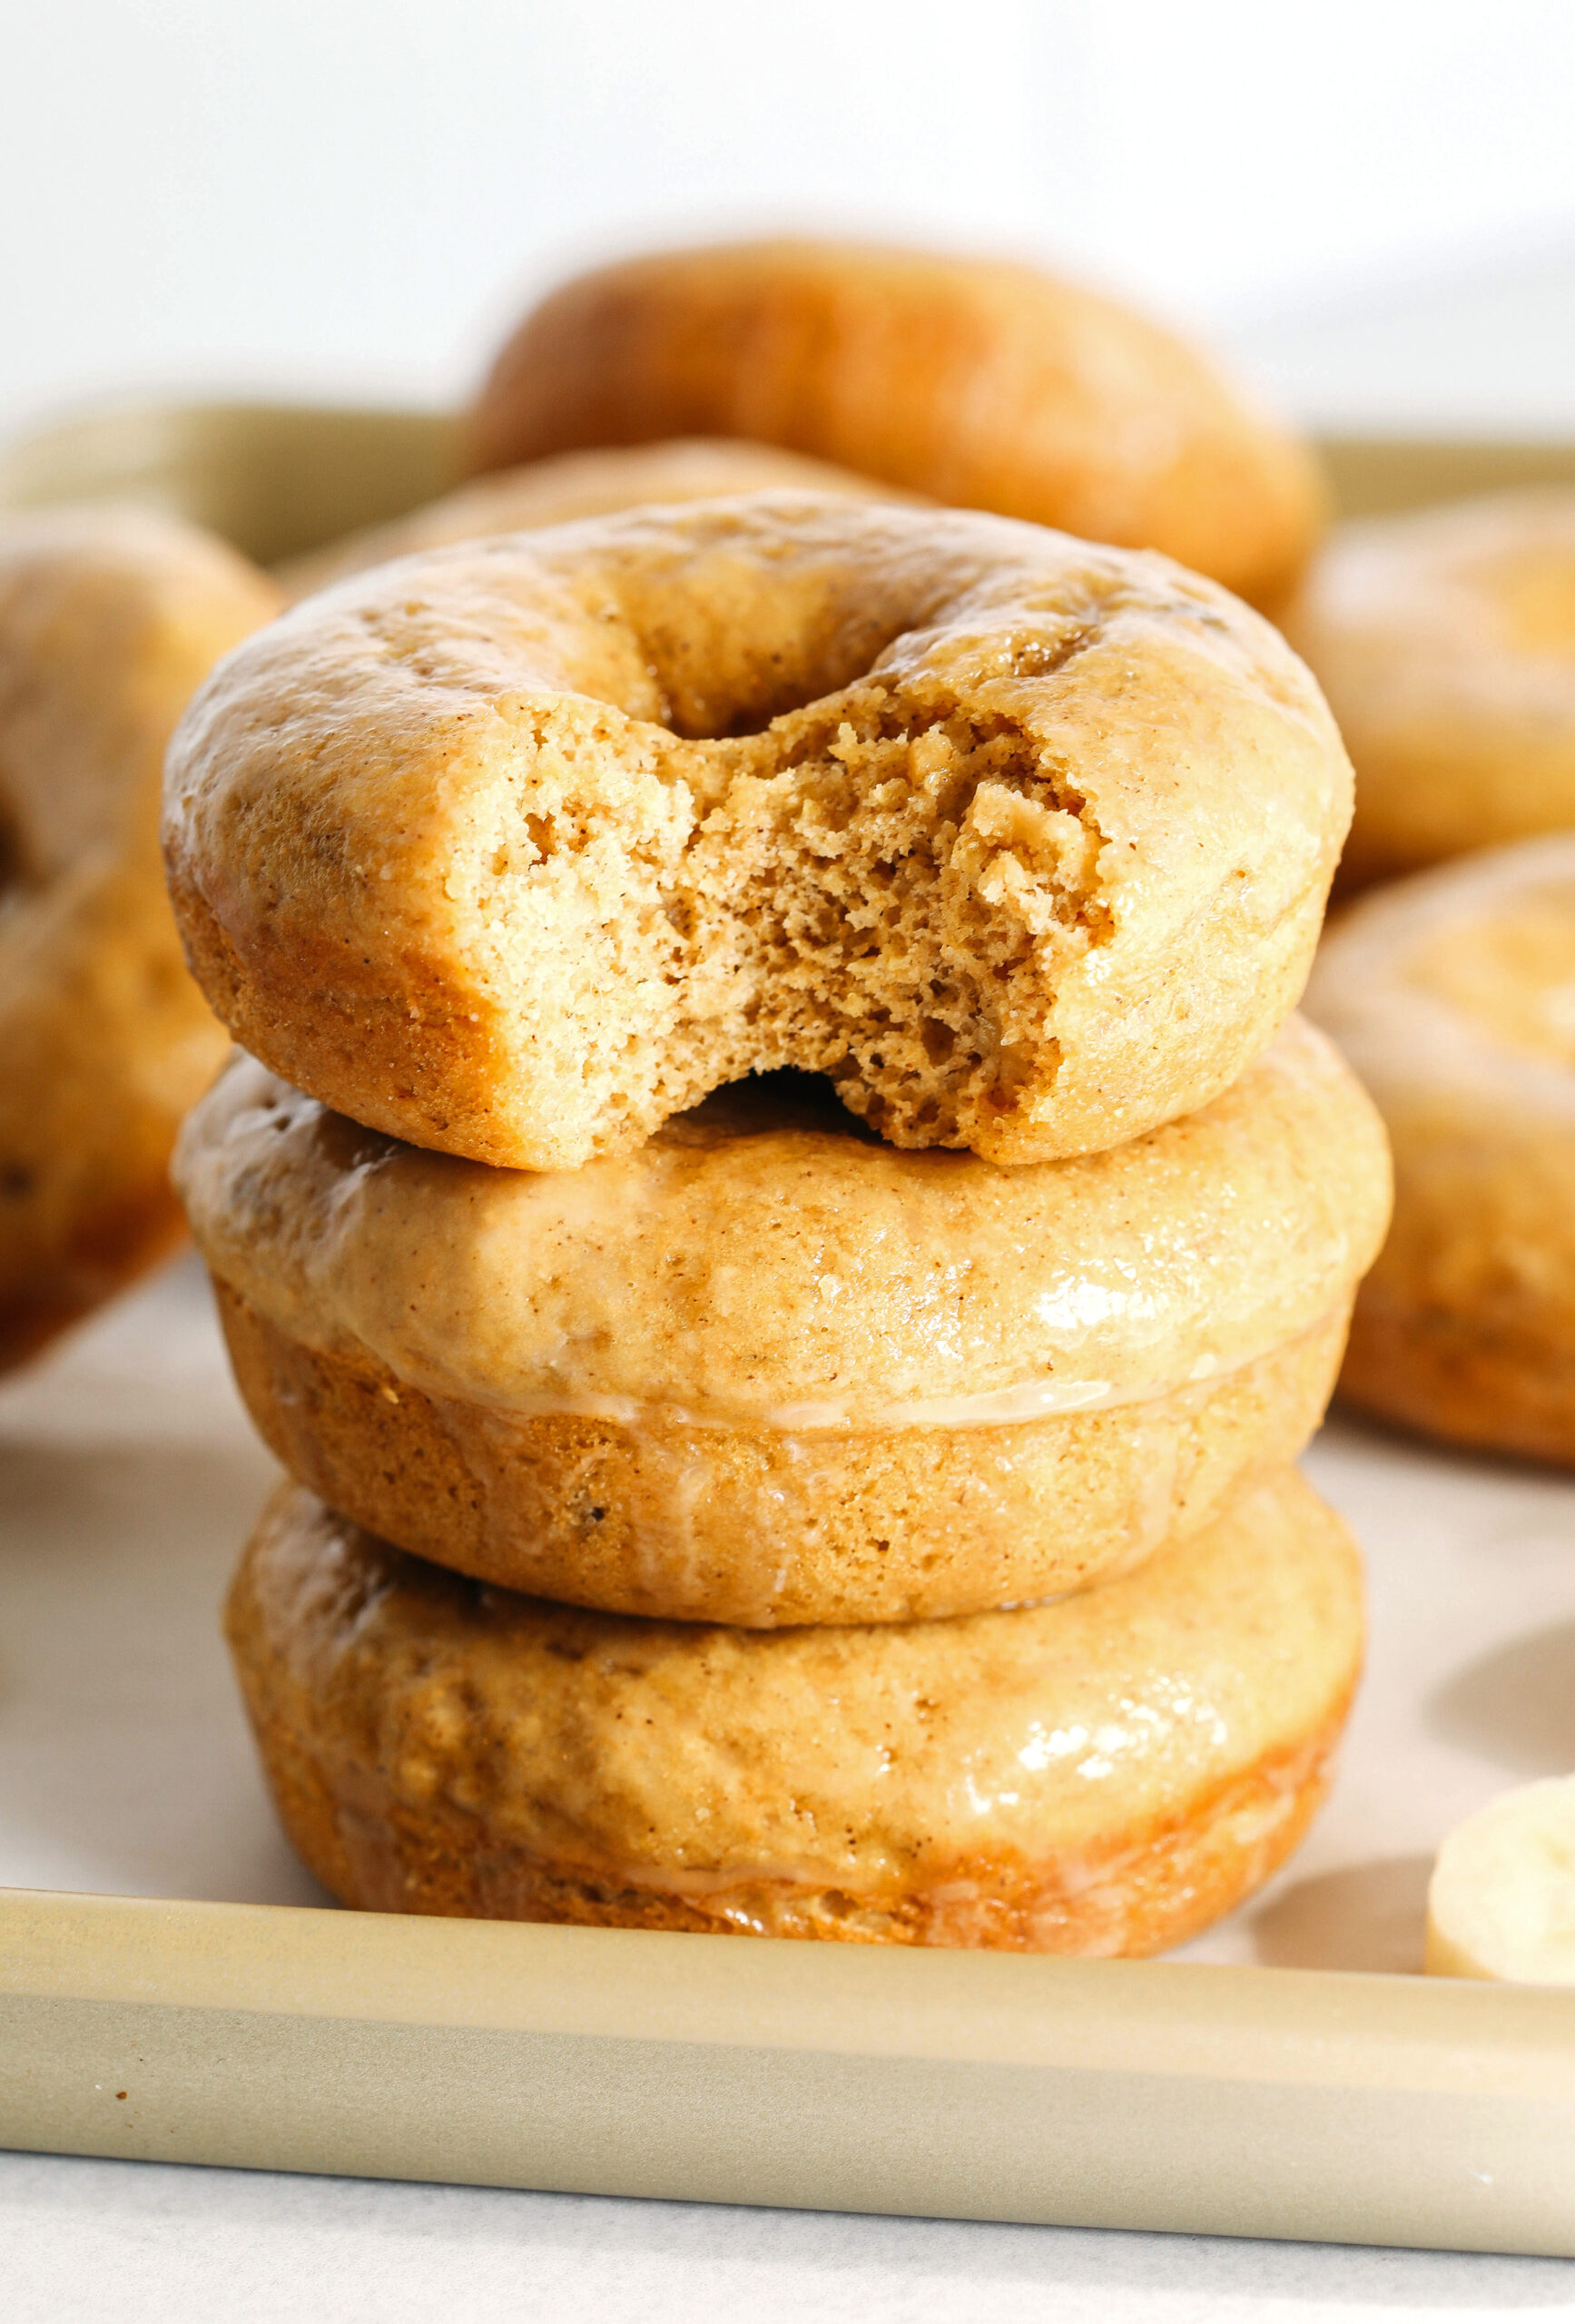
[
  {"x": 108, "y": 619},
  {"x": 1452, "y": 995},
  {"x": 1445, "y": 641},
  {"x": 986, "y": 385},
  {"x": 575, "y": 485}
]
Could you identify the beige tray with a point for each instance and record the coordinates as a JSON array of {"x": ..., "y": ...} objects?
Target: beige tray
[{"x": 1238, "y": 2100}]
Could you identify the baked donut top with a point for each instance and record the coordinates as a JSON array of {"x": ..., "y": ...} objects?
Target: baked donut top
[
  {"x": 763, "y": 1262},
  {"x": 1462, "y": 981},
  {"x": 985, "y": 384},
  {"x": 680, "y": 1753},
  {"x": 519, "y": 847},
  {"x": 582, "y": 484}
]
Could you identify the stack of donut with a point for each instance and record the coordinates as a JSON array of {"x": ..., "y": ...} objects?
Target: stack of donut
[{"x": 779, "y": 1220}]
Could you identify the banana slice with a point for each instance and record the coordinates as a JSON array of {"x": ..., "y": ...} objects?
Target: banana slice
[{"x": 1502, "y": 1901}]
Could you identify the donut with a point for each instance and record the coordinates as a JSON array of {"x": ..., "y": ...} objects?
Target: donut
[
  {"x": 1445, "y": 641},
  {"x": 1453, "y": 994},
  {"x": 519, "y": 848},
  {"x": 575, "y": 485},
  {"x": 985, "y": 385},
  {"x": 1106, "y": 1775},
  {"x": 766, "y": 1370},
  {"x": 108, "y": 618}
]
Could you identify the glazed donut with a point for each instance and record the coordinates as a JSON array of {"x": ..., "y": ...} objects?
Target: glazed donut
[
  {"x": 518, "y": 848},
  {"x": 108, "y": 619},
  {"x": 1453, "y": 994},
  {"x": 1445, "y": 640},
  {"x": 575, "y": 485},
  {"x": 766, "y": 1370},
  {"x": 1106, "y": 1775},
  {"x": 985, "y": 385}
]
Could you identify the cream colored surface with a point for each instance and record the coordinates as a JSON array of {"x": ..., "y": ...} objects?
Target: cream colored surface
[
  {"x": 520, "y": 850},
  {"x": 108, "y": 616},
  {"x": 1502, "y": 1901},
  {"x": 580, "y": 484},
  {"x": 760, "y": 1263},
  {"x": 1444, "y": 638},
  {"x": 1451, "y": 996}
]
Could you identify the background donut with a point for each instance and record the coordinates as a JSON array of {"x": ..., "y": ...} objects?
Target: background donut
[
  {"x": 1445, "y": 639},
  {"x": 560, "y": 491},
  {"x": 1453, "y": 994},
  {"x": 109, "y": 617},
  {"x": 986, "y": 385}
]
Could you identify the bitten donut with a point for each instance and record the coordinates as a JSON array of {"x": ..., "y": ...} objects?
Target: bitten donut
[
  {"x": 1106, "y": 1775},
  {"x": 518, "y": 848},
  {"x": 108, "y": 619},
  {"x": 1445, "y": 641},
  {"x": 767, "y": 1370},
  {"x": 580, "y": 484},
  {"x": 986, "y": 385},
  {"x": 1453, "y": 994}
]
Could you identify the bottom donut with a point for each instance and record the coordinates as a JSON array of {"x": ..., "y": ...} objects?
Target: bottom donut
[{"x": 1103, "y": 1775}]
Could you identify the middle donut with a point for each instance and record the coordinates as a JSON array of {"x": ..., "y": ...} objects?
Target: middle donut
[{"x": 767, "y": 1370}]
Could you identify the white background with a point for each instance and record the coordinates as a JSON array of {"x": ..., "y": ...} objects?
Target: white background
[{"x": 357, "y": 195}]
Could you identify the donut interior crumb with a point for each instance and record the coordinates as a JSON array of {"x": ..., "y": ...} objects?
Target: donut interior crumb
[{"x": 876, "y": 887}]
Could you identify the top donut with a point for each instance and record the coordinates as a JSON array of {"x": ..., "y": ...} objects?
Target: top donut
[
  {"x": 986, "y": 385},
  {"x": 519, "y": 847}
]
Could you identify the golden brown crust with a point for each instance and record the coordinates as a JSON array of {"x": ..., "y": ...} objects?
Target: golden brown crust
[
  {"x": 1449, "y": 993},
  {"x": 764, "y": 1528},
  {"x": 1445, "y": 640},
  {"x": 108, "y": 619},
  {"x": 562, "y": 490},
  {"x": 988, "y": 386},
  {"x": 516, "y": 850},
  {"x": 1136, "y": 1758}
]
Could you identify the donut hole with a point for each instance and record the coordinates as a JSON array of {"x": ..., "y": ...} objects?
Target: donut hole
[{"x": 762, "y": 1106}]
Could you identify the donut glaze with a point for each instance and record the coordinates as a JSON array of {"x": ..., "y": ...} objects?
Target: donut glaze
[
  {"x": 108, "y": 616},
  {"x": 988, "y": 386},
  {"x": 1103, "y": 1776},
  {"x": 519, "y": 848},
  {"x": 766, "y": 1370}
]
